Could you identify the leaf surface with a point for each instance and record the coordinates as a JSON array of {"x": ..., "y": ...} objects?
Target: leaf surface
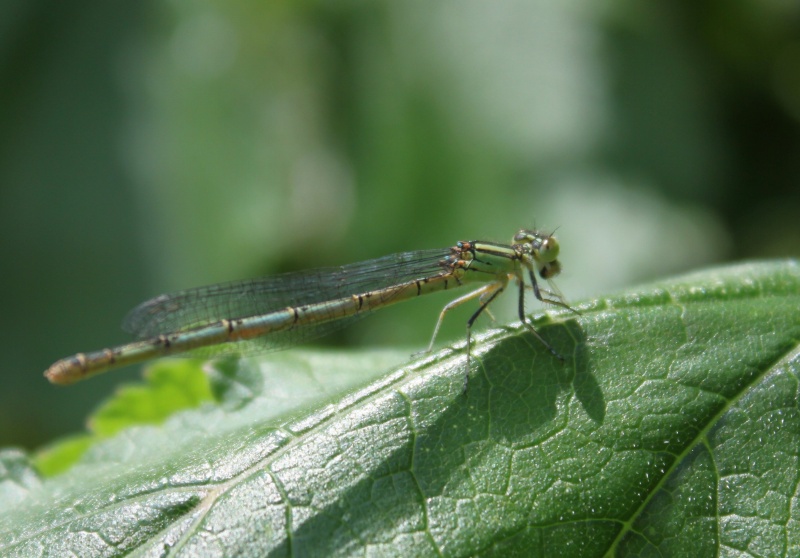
[{"x": 673, "y": 429}]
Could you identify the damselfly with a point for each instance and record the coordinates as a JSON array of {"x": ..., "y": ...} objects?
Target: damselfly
[{"x": 280, "y": 311}]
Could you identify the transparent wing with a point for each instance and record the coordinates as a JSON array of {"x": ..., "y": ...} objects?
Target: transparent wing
[{"x": 194, "y": 308}]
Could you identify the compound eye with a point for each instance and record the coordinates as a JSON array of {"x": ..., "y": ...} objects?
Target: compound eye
[
  {"x": 548, "y": 250},
  {"x": 550, "y": 270}
]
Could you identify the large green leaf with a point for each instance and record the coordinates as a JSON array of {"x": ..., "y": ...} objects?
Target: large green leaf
[{"x": 672, "y": 430}]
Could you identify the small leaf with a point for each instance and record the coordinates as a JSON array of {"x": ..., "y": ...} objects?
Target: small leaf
[
  {"x": 63, "y": 454},
  {"x": 171, "y": 385},
  {"x": 673, "y": 429}
]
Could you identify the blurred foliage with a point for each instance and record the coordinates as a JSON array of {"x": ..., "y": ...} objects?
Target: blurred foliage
[{"x": 146, "y": 147}]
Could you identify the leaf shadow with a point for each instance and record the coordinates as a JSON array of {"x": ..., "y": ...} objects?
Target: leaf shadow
[{"x": 515, "y": 399}]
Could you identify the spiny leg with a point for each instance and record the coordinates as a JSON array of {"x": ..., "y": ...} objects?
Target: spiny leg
[
  {"x": 555, "y": 294},
  {"x": 522, "y": 317},
  {"x": 547, "y": 292},
  {"x": 488, "y": 289},
  {"x": 485, "y": 295},
  {"x": 537, "y": 292},
  {"x": 485, "y": 302}
]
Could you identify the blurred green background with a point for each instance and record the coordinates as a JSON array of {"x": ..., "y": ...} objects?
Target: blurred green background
[{"x": 152, "y": 146}]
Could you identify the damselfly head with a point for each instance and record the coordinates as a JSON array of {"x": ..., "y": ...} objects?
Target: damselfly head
[{"x": 543, "y": 247}]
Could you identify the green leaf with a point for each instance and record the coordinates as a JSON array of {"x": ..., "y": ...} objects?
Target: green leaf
[
  {"x": 59, "y": 456},
  {"x": 169, "y": 387},
  {"x": 673, "y": 429}
]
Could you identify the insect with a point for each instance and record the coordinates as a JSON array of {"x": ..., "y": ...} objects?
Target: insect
[{"x": 283, "y": 310}]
